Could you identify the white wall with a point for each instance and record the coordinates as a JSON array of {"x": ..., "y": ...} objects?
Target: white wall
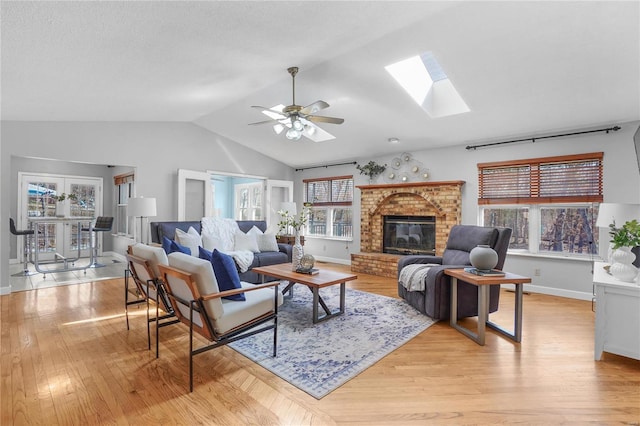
[
  {"x": 156, "y": 150},
  {"x": 571, "y": 278}
]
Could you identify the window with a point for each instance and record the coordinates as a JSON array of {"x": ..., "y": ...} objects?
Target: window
[
  {"x": 123, "y": 191},
  {"x": 330, "y": 200},
  {"x": 248, "y": 198},
  {"x": 549, "y": 203}
]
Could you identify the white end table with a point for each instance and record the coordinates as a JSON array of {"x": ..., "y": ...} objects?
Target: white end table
[{"x": 617, "y": 315}]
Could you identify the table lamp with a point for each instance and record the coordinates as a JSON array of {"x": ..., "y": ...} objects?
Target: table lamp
[{"x": 143, "y": 208}]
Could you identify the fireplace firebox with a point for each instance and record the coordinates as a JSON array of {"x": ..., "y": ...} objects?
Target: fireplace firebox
[{"x": 409, "y": 235}]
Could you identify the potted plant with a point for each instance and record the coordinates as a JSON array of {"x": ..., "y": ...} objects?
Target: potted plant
[
  {"x": 623, "y": 239},
  {"x": 371, "y": 169}
]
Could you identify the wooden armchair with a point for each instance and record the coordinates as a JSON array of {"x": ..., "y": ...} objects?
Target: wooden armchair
[
  {"x": 143, "y": 269},
  {"x": 197, "y": 302}
]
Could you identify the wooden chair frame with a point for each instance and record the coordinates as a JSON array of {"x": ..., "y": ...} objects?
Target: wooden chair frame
[
  {"x": 196, "y": 306},
  {"x": 142, "y": 289}
]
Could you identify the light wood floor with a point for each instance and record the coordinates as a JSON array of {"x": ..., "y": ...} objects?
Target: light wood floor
[{"x": 67, "y": 358}]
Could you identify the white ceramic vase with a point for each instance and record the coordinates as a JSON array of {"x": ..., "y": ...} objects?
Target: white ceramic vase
[
  {"x": 297, "y": 252},
  {"x": 483, "y": 257},
  {"x": 622, "y": 265}
]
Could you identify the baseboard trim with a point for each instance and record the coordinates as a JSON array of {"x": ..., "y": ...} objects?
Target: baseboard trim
[{"x": 569, "y": 294}]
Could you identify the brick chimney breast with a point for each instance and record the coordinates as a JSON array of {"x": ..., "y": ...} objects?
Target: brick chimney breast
[{"x": 440, "y": 199}]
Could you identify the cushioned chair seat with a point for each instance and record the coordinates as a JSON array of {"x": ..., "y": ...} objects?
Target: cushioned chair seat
[{"x": 237, "y": 313}]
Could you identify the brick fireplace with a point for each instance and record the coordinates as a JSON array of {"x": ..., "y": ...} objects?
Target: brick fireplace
[{"x": 440, "y": 199}]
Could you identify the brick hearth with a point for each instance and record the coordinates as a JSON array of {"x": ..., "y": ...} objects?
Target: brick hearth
[{"x": 440, "y": 199}]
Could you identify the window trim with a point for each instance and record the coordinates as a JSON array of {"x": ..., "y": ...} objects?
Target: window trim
[{"x": 329, "y": 206}]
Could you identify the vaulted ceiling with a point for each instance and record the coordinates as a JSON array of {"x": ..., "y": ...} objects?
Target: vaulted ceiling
[{"x": 523, "y": 68}]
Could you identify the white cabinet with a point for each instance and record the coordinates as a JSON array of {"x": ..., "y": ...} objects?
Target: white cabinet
[{"x": 617, "y": 315}]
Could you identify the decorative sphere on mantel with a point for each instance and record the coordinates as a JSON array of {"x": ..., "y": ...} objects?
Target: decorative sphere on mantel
[{"x": 483, "y": 257}]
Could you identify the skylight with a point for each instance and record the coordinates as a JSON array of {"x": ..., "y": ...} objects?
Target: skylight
[{"x": 426, "y": 82}]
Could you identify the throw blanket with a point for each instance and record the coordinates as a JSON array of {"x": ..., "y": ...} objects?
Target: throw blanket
[
  {"x": 243, "y": 258},
  {"x": 221, "y": 228},
  {"x": 412, "y": 277},
  {"x": 224, "y": 231}
]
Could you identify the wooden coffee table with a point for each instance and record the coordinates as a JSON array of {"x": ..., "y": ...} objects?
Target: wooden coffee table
[{"x": 324, "y": 278}]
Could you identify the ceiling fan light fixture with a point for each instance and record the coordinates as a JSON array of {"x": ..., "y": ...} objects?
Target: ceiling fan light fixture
[
  {"x": 293, "y": 134},
  {"x": 297, "y": 124}
]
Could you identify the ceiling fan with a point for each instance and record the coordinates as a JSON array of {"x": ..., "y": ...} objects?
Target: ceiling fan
[{"x": 299, "y": 121}]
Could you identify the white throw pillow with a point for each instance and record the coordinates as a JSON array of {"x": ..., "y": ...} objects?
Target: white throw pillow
[
  {"x": 254, "y": 231},
  {"x": 211, "y": 242},
  {"x": 246, "y": 242},
  {"x": 267, "y": 242},
  {"x": 190, "y": 239}
]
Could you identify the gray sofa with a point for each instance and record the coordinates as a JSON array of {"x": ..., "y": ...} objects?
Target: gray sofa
[
  {"x": 168, "y": 229},
  {"x": 435, "y": 300}
]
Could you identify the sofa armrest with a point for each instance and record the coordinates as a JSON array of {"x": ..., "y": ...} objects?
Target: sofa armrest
[
  {"x": 286, "y": 249},
  {"x": 411, "y": 259}
]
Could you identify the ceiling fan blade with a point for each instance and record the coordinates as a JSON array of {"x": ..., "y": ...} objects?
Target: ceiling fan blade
[
  {"x": 322, "y": 119},
  {"x": 314, "y": 107},
  {"x": 263, "y": 122},
  {"x": 315, "y": 133}
]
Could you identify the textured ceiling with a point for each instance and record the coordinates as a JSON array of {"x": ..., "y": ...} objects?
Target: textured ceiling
[{"x": 523, "y": 68}]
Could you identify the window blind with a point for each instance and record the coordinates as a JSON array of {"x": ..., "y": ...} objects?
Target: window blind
[
  {"x": 332, "y": 191},
  {"x": 569, "y": 178}
]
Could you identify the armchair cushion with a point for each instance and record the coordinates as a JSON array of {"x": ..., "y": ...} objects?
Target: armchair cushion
[
  {"x": 153, "y": 254},
  {"x": 205, "y": 279}
]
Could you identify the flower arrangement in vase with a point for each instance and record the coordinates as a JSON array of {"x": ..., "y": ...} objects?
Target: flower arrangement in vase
[
  {"x": 295, "y": 222},
  {"x": 623, "y": 239}
]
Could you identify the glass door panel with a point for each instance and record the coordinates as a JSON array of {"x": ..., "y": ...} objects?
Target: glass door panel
[{"x": 38, "y": 200}]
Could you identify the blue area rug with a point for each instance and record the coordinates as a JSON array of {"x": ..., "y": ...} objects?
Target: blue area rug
[{"x": 318, "y": 358}]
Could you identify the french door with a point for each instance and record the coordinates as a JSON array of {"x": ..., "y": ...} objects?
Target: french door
[{"x": 37, "y": 199}]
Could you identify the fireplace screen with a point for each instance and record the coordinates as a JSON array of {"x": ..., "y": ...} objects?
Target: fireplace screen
[{"x": 409, "y": 235}]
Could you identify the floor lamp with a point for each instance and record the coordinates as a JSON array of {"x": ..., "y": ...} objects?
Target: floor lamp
[{"x": 143, "y": 208}]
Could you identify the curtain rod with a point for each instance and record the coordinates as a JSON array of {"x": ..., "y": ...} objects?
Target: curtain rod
[
  {"x": 325, "y": 166},
  {"x": 535, "y": 138}
]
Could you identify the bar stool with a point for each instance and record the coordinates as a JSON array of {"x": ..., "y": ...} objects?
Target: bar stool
[
  {"x": 102, "y": 224},
  {"x": 26, "y": 237}
]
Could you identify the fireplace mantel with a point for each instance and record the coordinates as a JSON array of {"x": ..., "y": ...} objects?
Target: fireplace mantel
[
  {"x": 440, "y": 199},
  {"x": 411, "y": 184}
]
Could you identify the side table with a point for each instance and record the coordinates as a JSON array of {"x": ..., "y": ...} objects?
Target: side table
[
  {"x": 483, "y": 283},
  {"x": 617, "y": 315},
  {"x": 289, "y": 239}
]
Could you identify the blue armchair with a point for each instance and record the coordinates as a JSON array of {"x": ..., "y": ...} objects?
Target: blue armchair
[{"x": 435, "y": 300}]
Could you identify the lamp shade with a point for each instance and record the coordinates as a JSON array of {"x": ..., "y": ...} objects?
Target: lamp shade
[
  {"x": 141, "y": 207},
  {"x": 289, "y": 207},
  {"x": 617, "y": 213}
]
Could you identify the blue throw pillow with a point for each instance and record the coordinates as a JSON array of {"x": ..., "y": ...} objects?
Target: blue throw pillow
[
  {"x": 170, "y": 246},
  {"x": 224, "y": 268}
]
